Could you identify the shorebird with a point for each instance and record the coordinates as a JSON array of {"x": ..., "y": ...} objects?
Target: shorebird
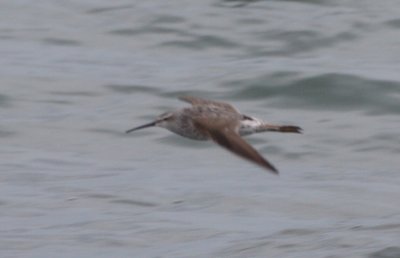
[{"x": 220, "y": 122}]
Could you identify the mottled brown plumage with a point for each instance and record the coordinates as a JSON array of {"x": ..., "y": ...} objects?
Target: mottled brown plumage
[{"x": 221, "y": 123}]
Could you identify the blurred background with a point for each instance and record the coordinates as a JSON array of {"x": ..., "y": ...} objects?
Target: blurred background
[{"x": 74, "y": 75}]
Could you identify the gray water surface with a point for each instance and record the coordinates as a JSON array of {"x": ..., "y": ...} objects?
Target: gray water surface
[{"x": 74, "y": 75}]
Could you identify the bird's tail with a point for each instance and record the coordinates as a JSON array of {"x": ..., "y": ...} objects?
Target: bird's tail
[
  {"x": 281, "y": 128},
  {"x": 290, "y": 129}
]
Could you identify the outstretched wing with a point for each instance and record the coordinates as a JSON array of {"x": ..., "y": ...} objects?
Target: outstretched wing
[
  {"x": 199, "y": 101},
  {"x": 224, "y": 135}
]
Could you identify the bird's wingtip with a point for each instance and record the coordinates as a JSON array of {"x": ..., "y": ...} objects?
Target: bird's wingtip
[{"x": 273, "y": 170}]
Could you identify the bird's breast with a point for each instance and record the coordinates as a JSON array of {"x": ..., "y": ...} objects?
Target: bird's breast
[{"x": 185, "y": 126}]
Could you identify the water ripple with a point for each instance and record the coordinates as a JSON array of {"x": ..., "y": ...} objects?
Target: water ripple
[{"x": 330, "y": 92}]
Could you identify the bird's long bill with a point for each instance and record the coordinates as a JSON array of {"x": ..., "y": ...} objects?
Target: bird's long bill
[{"x": 142, "y": 126}]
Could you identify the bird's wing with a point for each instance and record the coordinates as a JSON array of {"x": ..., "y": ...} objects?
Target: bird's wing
[
  {"x": 199, "y": 101},
  {"x": 224, "y": 135}
]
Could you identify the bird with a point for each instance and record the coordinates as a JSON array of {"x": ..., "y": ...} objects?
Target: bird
[{"x": 220, "y": 122}]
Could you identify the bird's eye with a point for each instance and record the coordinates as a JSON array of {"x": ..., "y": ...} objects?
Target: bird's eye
[
  {"x": 167, "y": 117},
  {"x": 164, "y": 116}
]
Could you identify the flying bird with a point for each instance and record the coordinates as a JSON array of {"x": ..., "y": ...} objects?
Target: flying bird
[{"x": 221, "y": 123}]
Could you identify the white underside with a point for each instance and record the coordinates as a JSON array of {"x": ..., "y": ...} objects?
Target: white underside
[{"x": 249, "y": 126}]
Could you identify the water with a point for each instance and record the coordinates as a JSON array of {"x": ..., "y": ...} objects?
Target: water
[{"x": 76, "y": 74}]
